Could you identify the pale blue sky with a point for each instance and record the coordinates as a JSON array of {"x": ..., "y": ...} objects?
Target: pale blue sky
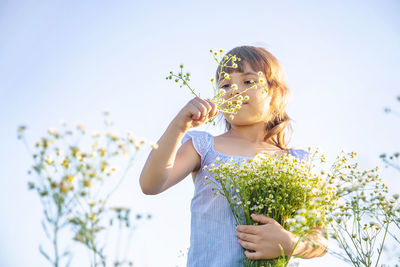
[{"x": 73, "y": 59}]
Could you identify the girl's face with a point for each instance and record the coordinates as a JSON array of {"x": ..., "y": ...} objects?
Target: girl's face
[{"x": 255, "y": 109}]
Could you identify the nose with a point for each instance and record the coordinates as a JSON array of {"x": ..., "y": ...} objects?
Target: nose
[{"x": 237, "y": 91}]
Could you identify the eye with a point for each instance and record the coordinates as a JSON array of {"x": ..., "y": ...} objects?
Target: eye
[
  {"x": 248, "y": 82},
  {"x": 225, "y": 86}
]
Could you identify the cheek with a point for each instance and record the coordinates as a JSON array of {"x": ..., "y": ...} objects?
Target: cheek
[
  {"x": 259, "y": 100},
  {"x": 260, "y": 105}
]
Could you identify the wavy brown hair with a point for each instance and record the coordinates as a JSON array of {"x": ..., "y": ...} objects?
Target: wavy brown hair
[{"x": 262, "y": 60}]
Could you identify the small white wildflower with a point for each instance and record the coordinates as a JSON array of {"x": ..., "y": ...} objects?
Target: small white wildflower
[
  {"x": 95, "y": 134},
  {"x": 301, "y": 211},
  {"x": 154, "y": 145},
  {"x": 299, "y": 219},
  {"x": 356, "y": 185},
  {"x": 246, "y": 98},
  {"x": 222, "y": 91},
  {"x": 234, "y": 86},
  {"x": 49, "y": 159},
  {"x": 51, "y": 131},
  {"x": 290, "y": 221},
  {"x": 226, "y": 76}
]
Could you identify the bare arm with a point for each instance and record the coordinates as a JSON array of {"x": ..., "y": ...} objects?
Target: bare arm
[
  {"x": 168, "y": 162},
  {"x": 167, "y": 165}
]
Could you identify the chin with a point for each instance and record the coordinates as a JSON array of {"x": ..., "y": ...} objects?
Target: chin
[{"x": 239, "y": 122}]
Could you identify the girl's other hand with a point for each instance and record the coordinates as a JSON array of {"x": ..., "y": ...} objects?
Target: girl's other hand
[
  {"x": 264, "y": 239},
  {"x": 196, "y": 112}
]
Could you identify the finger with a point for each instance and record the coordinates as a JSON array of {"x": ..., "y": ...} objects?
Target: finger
[
  {"x": 247, "y": 237},
  {"x": 213, "y": 110},
  {"x": 207, "y": 104},
  {"x": 253, "y": 255},
  {"x": 248, "y": 245},
  {"x": 194, "y": 110},
  {"x": 262, "y": 218},
  {"x": 201, "y": 107},
  {"x": 248, "y": 229},
  {"x": 199, "y": 110}
]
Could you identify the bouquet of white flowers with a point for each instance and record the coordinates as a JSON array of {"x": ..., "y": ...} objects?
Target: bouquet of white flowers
[{"x": 281, "y": 187}]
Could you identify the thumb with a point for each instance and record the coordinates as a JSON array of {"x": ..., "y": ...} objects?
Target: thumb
[{"x": 262, "y": 218}]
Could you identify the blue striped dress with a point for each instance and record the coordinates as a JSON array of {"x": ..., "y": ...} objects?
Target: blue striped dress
[{"x": 213, "y": 240}]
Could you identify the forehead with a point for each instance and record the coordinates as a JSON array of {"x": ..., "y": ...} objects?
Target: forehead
[{"x": 244, "y": 70}]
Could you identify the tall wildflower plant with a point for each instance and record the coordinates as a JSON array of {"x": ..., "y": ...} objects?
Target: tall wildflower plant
[
  {"x": 393, "y": 161},
  {"x": 75, "y": 174},
  {"x": 229, "y": 105},
  {"x": 360, "y": 222}
]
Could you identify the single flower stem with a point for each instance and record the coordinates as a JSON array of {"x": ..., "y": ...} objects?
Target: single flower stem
[
  {"x": 186, "y": 83},
  {"x": 383, "y": 241}
]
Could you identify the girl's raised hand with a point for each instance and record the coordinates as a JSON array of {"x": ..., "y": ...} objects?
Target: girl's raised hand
[{"x": 196, "y": 112}]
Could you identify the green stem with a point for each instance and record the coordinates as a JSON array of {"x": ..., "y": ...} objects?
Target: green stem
[
  {"x": 291, "y": 253},
  {"x": 55, "y": 243},
  {"x": 186, "y": 83},
  {"x": 344, "y": 246},
  {"x": 383, "y": 241}
]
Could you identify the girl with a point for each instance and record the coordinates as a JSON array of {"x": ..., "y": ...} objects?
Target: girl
[{"x": 257, "y": 127}]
